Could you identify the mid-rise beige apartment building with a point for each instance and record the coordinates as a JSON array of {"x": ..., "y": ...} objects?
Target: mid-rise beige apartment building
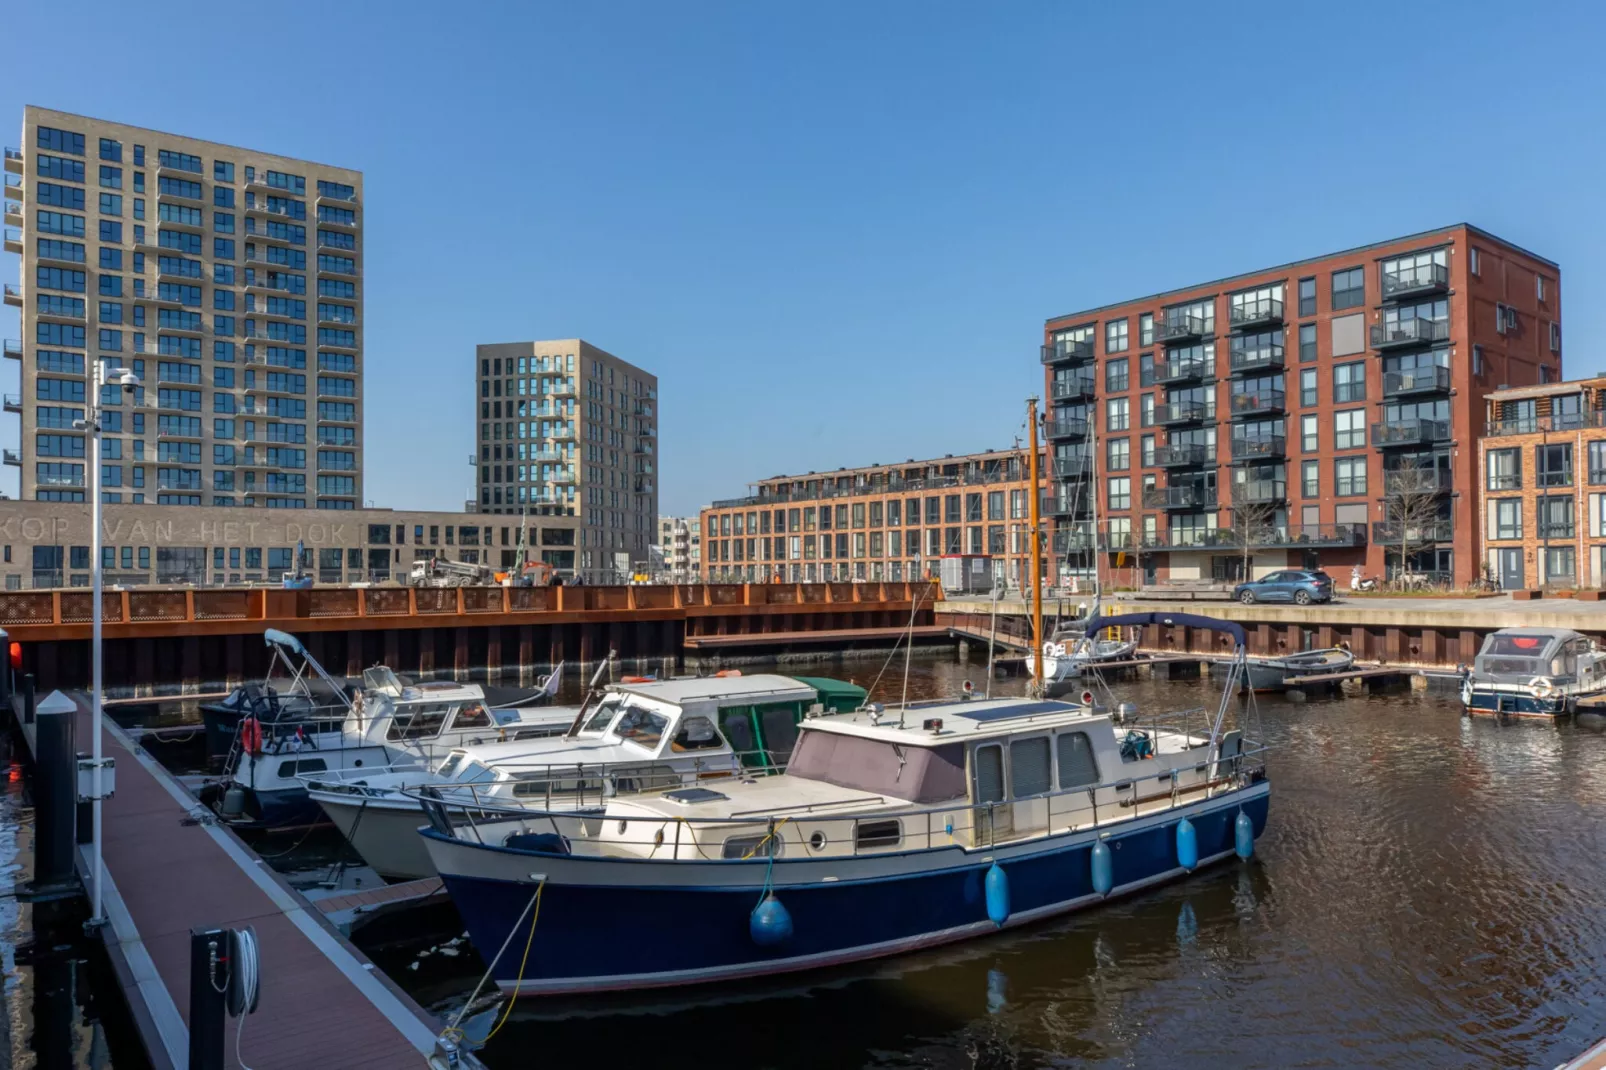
[{"x": 228, "y": 279}]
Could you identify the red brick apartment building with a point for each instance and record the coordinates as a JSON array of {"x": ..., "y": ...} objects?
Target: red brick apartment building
[
  {"x": 1542, "y": 467},
  {"x": 1328, "y": 409},
  {"x": 880, "y": 522}
]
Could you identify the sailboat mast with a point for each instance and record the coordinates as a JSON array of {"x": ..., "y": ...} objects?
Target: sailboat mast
[{"x": 1034, "y": 521}]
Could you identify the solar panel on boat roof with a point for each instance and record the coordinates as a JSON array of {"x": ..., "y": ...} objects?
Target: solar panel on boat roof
[
  {"x": 694, "y": 795},
  {"x": 1019, "y": 709}
]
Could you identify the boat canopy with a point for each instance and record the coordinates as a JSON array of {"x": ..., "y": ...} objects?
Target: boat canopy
[
  {"x": 274, "y": 637},
  {"x": 1522, "y": 653},
  {"x": 1185, "y": 620}
]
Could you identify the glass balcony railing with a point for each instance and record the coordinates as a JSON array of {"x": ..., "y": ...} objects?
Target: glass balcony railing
[
  {"x": 1184, "y": 455},
  {"x": 1259, "y": 358},
  {"x": 1258, "y": 447},
  {"x": 1181, "y": 371},
  {"x": 1067, "y": 388},
  {"x": 1180, "y": 327},
  {"x": 1072, "y": 467},
  {"x": 1531, "y": 425},
  {"x": 1185, "y": 497},
  {"x": 1258, "y": 312},
  {"x": 1404, "y": 482},
  {"x": 1068, "y": 427},
  {"x": 1429, "y": 531},
  {"x": 1179, "y": 412},
  {"x": 1257, "y": 403},
  {"x": 1410, "y": 432},
  {"x": 1259, "y": 492},
  {"x": 1066, "y": 351},
  {"x": 1411, "y": 332},
  {"x": 1431, "y": 380},
  {"x": 1415, "y": 280}
]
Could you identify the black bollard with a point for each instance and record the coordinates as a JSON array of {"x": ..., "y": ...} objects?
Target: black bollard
[
  {"x": 55, "y": 795},
  {"x": 209, "y": 972},
  {"x": 27, "y": 699}
]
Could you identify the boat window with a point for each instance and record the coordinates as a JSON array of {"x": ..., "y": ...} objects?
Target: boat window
[
  {"x": 539, "y": 733},
  {"x": 474, "y": 773},
  {"x": 535, "y": 784},
  {"x": 379, "y": 678},
  {"x": 753, "y": 847},
  {"x": 738, "y": 727},
  {"x": 989, "y": 773},
  {"x": 449, "y": 766},
  {"x": 697, "y": 733},
  {"x": 878, "y": 834},
  {"x": 472, "y": 717},
  {"x": 778, "y": 723},
  {"x": 423, "y": 721},
  {"x": 305, "y": 765},
  {"x": 1078, "y": 767},
  {"x": 603, "y": 717},
  {"x": 642, "y": 727},
  {"x": 924, "y": 774},
  {"x": 1029, "y": 772}
]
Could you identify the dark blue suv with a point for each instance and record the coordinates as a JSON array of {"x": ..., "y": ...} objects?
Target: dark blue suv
[{"x": 1298, "y": 585}]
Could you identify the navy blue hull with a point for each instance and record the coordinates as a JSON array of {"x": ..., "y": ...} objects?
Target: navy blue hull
[
  {"x": 583, "y": 940},
  {"x": 1496, "y": 704}
]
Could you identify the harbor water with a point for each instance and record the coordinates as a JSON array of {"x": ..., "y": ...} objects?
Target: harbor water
[{"x": 1427, "y": 894}]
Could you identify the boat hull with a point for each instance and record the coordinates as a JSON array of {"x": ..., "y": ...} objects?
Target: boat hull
[
  {"x": 891, "y": 904},
  {"x": 386, "y": 836},
  {"x": 1513, "y": 704}
]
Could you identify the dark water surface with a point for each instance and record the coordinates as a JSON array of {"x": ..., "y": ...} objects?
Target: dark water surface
[{"x": 1429, "y": 893}]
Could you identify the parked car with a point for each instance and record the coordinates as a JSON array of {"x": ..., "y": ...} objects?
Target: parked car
[{"x": 1298, "y": 585}]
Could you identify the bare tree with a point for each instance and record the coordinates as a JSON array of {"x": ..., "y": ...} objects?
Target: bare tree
[
  {"x": 1411, "y": 498},
  {"x": 1252, "y": 514}
]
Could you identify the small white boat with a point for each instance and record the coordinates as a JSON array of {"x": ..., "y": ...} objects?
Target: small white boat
[
  {"x": 1533, "y": 672},
  {"x": 636, "y": 737}
]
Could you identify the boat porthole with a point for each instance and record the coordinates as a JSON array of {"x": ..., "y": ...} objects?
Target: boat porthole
[
  {"x": 817, "y": 841},
  {"x": 621, "y": 828},
  {"x": 357, "y": 762},
  {"x": 658, "y": 838}
]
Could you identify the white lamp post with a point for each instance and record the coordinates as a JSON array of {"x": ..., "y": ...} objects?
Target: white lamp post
[{"x": 121, "y": 378}]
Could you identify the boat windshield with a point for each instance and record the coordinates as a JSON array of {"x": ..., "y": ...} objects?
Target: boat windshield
[
  {"x": 379, "y": 678},
  {"x": 642, "y": 727},
  {"x": 474, "y": 772},
  {"x": 449, "y": 767},
  {"x": 1514, "y": 655},
  {"x": 603, "y": 717}
]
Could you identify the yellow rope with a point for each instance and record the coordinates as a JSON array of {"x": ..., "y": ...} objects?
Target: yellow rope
[
  {"x": 506, "y": 1014},
  {"x": 759, "y": 846}
]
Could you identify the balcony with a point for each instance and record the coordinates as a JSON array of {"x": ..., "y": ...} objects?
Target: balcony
[
  {"x": 1394, "y": 532},
  {"x": 1403, "y": 482},
  {"x": 1410, "y": 433},
  {"x": 1259, "y": 492},
  {"x": 61, "y": 312},
  {"x": 1261, "y": 312},
  {"x": 11, "y": 457},
  {"x": 1250, "y": 448},
  {"x": 1180, "y": 327},
  {"x": 12, "y": 348},
  {"x": 1262, "y": 358},
  {"x": 1281, "y": 536},
  {"x": 1187, "y": 370},
  {"x": 1433, "y": 380},
  {"x": 1074, "y": 506},
  {"x": 1415, "y": 281},
  {"x": 1068, "y": 427},
  {"x": 1065, "y": 351},
  {"x": 1072, "y": 467},
  {"x": 1412, "y": 332},
  {"x": 1184, "y": 455},
  {"x": 54, "y": 481},
  {"x": 263, "y": 236},
  {"x": 1184, "y": 497},
  {"x": 1072, "y": 387},
  {"x": 1066, "y": 542},
  {"x": 1257, "y": 403},
  {"x": 14, "y": 186},
  {"x": 13, "y": 296},
  {"x": 13, "y": 403},
  {"x": 278, "y": 211},
  {"x": 13, "y": 214},
  {"x": 14, "y": 160},
  {"x": 1532, "y": 425},
  {"x": 1174, "y": 413}
]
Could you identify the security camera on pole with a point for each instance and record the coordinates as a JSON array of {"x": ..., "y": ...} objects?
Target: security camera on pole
[{"x": 99, "y": 785}]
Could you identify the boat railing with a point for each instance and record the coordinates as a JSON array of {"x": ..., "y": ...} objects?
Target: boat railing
[
  {"x": 577, "y": 785},
  {"x": 965, "y": 823}
]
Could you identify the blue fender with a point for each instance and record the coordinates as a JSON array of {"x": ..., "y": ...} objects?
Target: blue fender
[
  {"x": 1243, "y": 836},
  {"x": 1187, "y": 845},
  {"x": 1103, "y": 869},
  {"x": 997, "y": 895},
  {"x": 770, "y": 924}
]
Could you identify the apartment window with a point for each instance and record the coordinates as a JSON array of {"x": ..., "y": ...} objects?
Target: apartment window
[
  {"x": 1120, "y": 493},
  {"x": 1307, "y": 342},
  {"x": 222, "y": 171},
  {"x": 1310, "y": 479},
  {"x": 1117, "y": 376},
  {"x": 1308, "y": 392},
  {"x": 1555, "y": 338},
  {"x": 1505, "y": 518},
  {"x": 1307, "y": 296},
  {"x": 1505, "y": 318},
  {"x": 1349, "y": 429},
  {"x": 1117, "y": 414},
  {"x": 1115, "y": 336},
  {"x": 1308, "y": 434},
  {"x": 1118, "y": 454},
  {"x": 1146, "y": 410},
  {"x": 1474, "y": 261},
  {"x": 1553, "y": 465},
  {"x": 1146, "y": 448},
  {"x": 1349, "y": 382},
  {"x": 1504, "y": 468},
  {"x": 1349, "y": 288},
  {"x": 1556, "y": 517},
  {"x": 1146, "y": 370},
  {"x": 1146, "y": 329},
  {"x": 1477, "y": 360},
  {"x": 1349, "y": 477},
  {"x": 1560, "y": 564},
  {"x": 1539, "y": 287}
]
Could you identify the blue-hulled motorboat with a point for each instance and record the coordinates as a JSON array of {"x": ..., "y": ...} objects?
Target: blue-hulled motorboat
[{"x": 1533, "y": 672}]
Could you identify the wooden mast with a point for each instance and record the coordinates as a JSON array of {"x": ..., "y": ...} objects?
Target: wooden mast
[{"x": 1034, "y": 522}]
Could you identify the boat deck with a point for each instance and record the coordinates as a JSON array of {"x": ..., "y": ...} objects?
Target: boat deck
[{"x": 169, "y": 869}]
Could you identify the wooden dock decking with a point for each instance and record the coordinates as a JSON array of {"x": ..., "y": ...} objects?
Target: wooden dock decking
[
  {"x": 834, "y": 635},
  {"x": 169, "y": 868}
]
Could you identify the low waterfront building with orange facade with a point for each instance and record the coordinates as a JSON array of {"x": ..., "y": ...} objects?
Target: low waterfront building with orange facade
[{"x": 1542, "y": 468}]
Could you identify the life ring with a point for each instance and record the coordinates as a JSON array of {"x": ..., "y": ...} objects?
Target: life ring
[
  {"x": 251, "y": 736},
  {"x": 1052, "y": 649},
  {"x": 635, "y": 679},
  {"x": 1543, "y": 688}
]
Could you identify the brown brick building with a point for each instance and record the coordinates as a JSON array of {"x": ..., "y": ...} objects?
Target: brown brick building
[
  {"x": 880, "y": 522},
  {"x": 1327, "y": 409},
  {"x": 1542, "y": 467}
]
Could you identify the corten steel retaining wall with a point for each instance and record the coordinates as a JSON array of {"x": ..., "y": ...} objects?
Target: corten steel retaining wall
[{"x": 161, "y": 641}]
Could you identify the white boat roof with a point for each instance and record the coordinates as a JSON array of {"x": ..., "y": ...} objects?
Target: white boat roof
[
  {"x": 770, "y": 686},
  {"x": 960, "y": 720},
  {"x": 441, "y": 691},
  {"x": 561, "y": 751},
  {"x": 760, "y": 797}
]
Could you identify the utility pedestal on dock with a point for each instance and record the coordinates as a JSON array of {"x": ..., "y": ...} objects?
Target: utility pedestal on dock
[
  {"x": 55, "y": 799},
  {"x": 209, "y": 970}
]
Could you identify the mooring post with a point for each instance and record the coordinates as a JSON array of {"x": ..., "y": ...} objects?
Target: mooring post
[
  {"x": 209, "y": 973},
  {"x": 55, "y": 794},
  {"x": 5, "y": 667}
]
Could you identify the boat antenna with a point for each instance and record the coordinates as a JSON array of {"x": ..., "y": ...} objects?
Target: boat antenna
[
  {"x": 1034, "y": 521},
  {"x": 992, "y": 632},
  {"x": 908, "y": 651}
]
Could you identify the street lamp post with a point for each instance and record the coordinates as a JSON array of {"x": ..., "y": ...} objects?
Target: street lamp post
[{"x": 121, "y": 378}]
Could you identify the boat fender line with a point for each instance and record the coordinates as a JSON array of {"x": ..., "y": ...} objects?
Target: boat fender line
[
  {"x": 454, "y": 1031},
  {"x": 997, "y": 886},
  {"x": 1103, "y": 870},
  {"x": 769, "y": 923},
  {"x": 1243, "y": 836},
  {"x": 1187, "y": 845}
]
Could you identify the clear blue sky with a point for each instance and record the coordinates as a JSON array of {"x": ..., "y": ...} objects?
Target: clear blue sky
[{"x": 833, "y": 230}]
